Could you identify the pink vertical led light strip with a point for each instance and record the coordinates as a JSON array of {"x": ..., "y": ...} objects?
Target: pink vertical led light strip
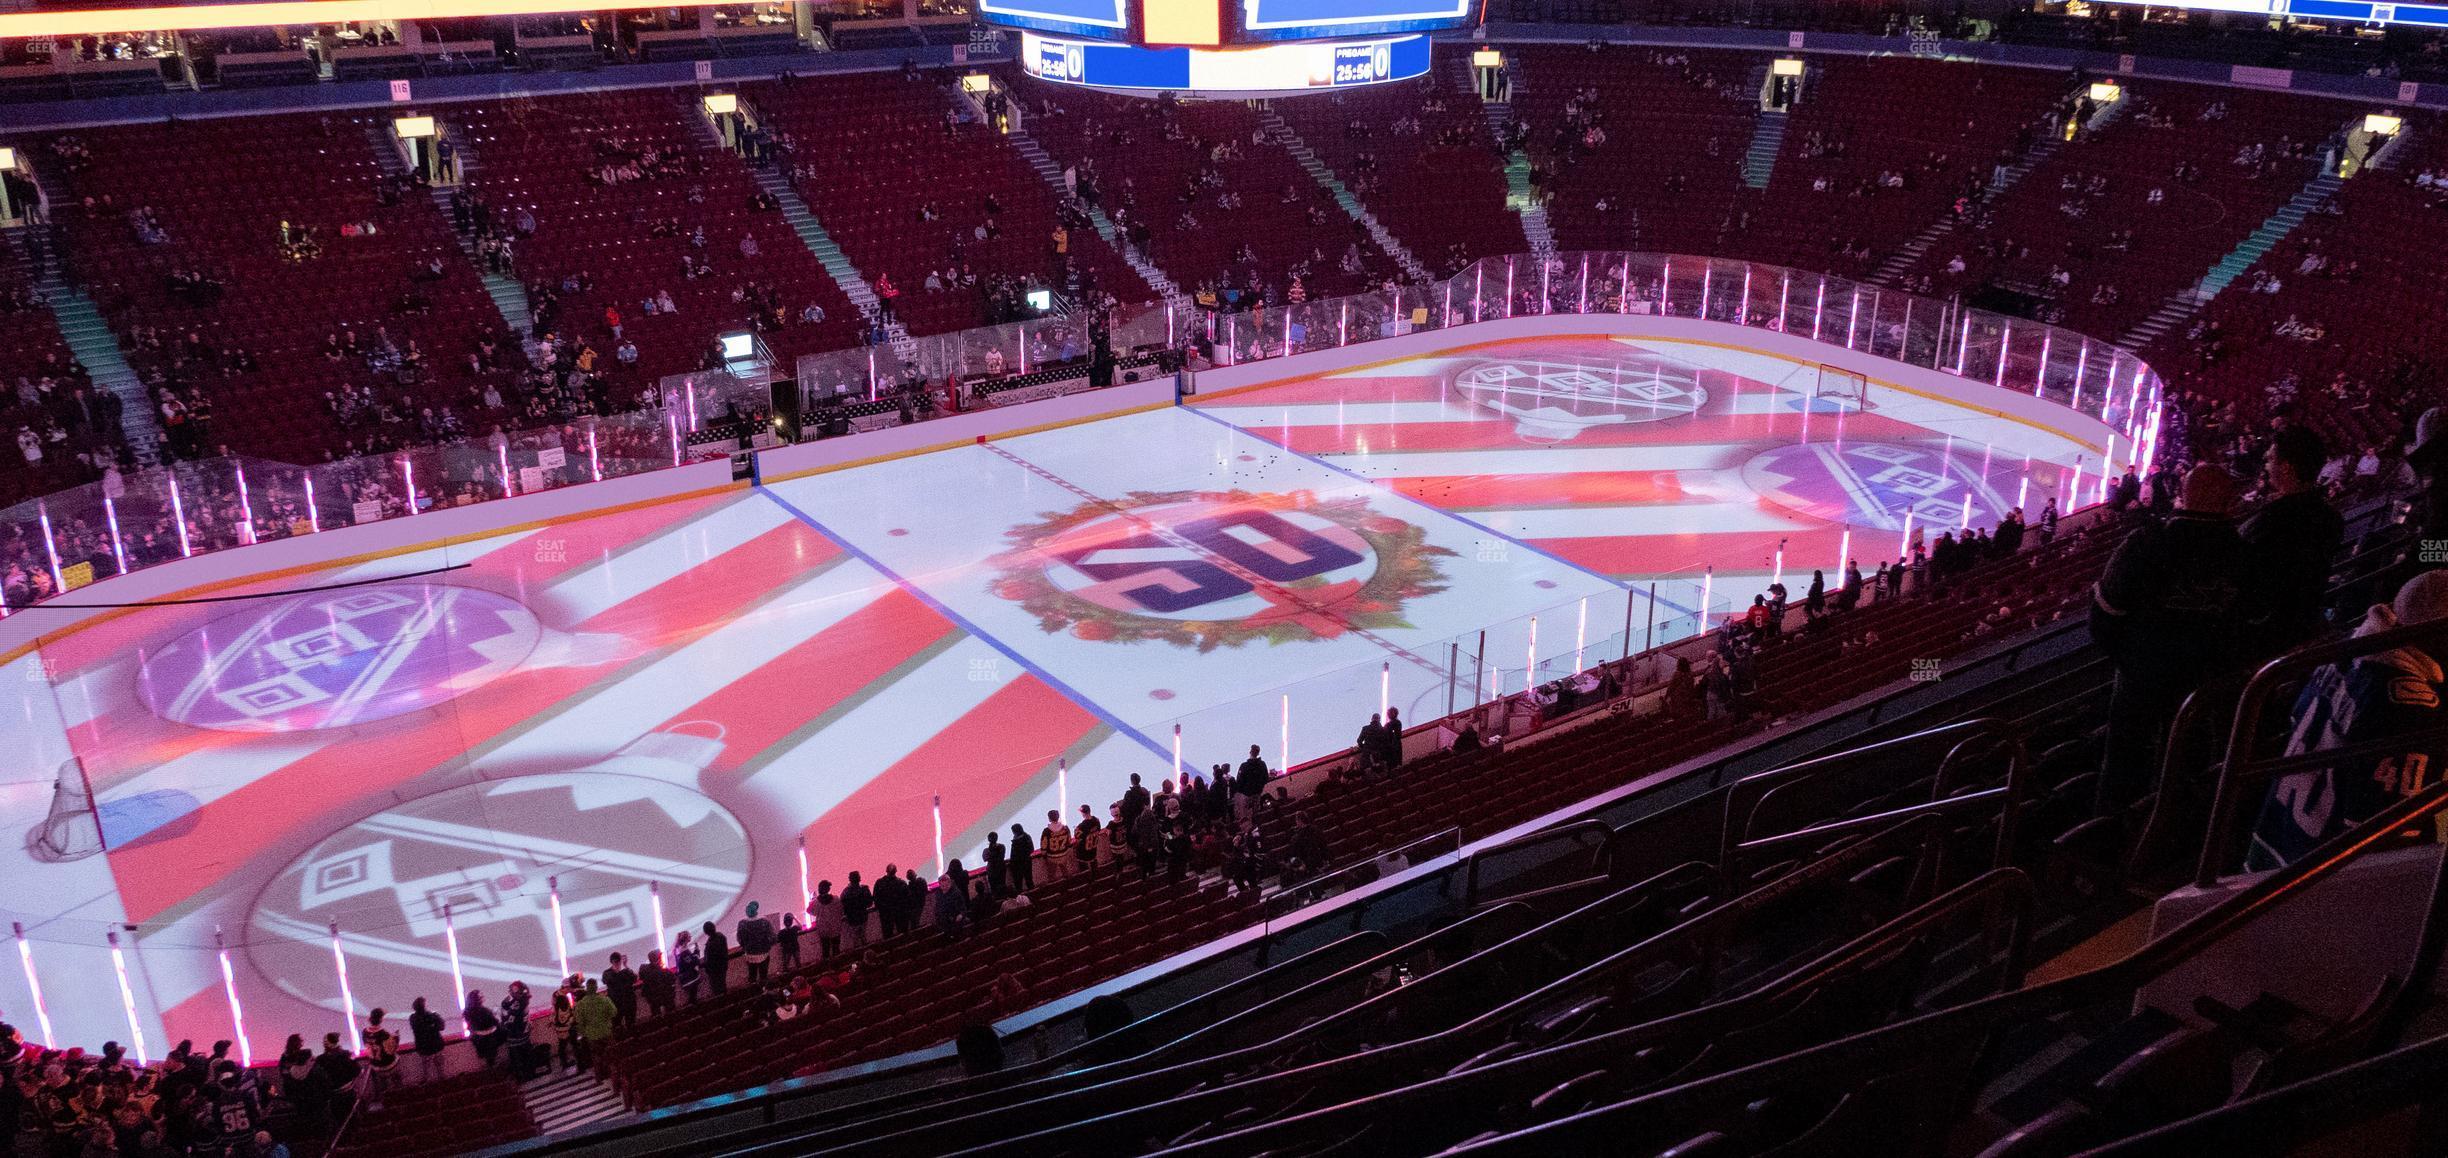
[
  {"x": 560, "y": 935},
  {"x": 508, "y": 486},
  {"x": 127, "y": 1002},
  {"x": 1818, "y": 309},
  {"x": 1844, "y": 553},
  {"x": 1530, "y": 670},
  {"x": 1708, "y": 281},
  {"x": 1585, "y": 283},
  {"x": 1062, "y": 787},
  {"x": 939, "y": 856},
  {"x": 246, "y": 509},
  {"x": 654, "y": 898},
  {"x": 408, "y": 474},
  {"x": 1708, "y": 580},
  {"x": 674, "y": 421},
  {"x": 459, "y": 989},
  {"x": 1385, "y": 686},
  {"x": 1581, "y": 634},
  {"x": 2005, "y": 342},
  {"x": 59, "y": 583},
  {"x": 1904, "y": 541},
  {"x": 1784, "y": 293},
  {"x": 314, "y": 518},
  {"x": 229, "y": 988},
  {"x": 2040, "y": 380},
  {"x": 348, "y": 1000},
  {"x": 806, "y": 893},
  {"x": 1853, "y": 318},
  {"x": 1177, "y": 751},
  {"x": 178, "y": 514},
  {"x": 110, "y": 514},
  {"x": 594, "y": 460},
  {"x": 1508, "y": 302},
  {"x": 1742, "y": 311},
  {"x": 42, "y": 1012}
]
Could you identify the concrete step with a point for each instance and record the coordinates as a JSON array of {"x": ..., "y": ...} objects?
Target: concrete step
[
  {"x": 1767, "y": 141},
  {"x": 1051, "y": 172},
  {"x": 1318, "y": 171},
  {"x": 566, "y": 1101}
]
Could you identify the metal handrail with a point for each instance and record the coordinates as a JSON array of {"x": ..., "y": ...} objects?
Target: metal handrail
[
  {"x": 2009, "y": 889},
  {"x": 1744, "y": 796},
  {"x": 1930, "y": 1032},
  {"x": 2279, "y": 1121}
]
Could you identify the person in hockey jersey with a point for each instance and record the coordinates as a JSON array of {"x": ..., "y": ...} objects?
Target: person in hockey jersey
[{"x": 2391, "y": 693}]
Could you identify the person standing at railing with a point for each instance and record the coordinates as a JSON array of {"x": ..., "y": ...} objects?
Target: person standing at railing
[
  {"x": 1249, "y": 783},
  {"x": 1054, "y": 840},
  {"x": 2294, "y": 536},
  {"x": 1023, "y": 864},
  {"x": 2391, "y": 693},
  {"x": 890, "y": 901},
  {"x": 425, "y": 1032},
  {"x": 2179, "y": 602},
  {"x": 857, "y": 900}
]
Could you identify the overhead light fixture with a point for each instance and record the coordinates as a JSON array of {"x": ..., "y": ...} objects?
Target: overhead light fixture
[
  {"x": 722, "y": 103},
  {"x": 976, "y": 82},
  {"x": 1787, "y": 66},
  {"x": 1487, "y": 58},
  {"x": 2377, "y": 124},
  {"x": 8, "y": 159},
  {"x": 410, "y": 128},
  {"x": 2105, "y": 92}
]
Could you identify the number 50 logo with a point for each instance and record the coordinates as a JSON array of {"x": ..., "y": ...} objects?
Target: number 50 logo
[{"x": 1217, "y": 569}]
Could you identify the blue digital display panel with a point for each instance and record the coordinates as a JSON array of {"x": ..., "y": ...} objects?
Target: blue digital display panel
[
  {"x": 1101, "y": 19},
  {"x": 1316, "y": 19},
  {"x": 1269, "y": 68}
]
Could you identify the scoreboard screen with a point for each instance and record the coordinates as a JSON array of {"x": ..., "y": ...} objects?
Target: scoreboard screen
[
  {"x": 1222, "y": 23},
  {"x": 1316, "y": 19},
  {"x": 2327, "y": 11},
  {"x": 1101, "y": 19},
  {"x": 1248, "y": 71}
]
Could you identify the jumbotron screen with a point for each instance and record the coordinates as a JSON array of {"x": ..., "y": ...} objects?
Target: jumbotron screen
[
  {"x": 1215, "y": 23},
  {"x": 2325, "y": 11}
]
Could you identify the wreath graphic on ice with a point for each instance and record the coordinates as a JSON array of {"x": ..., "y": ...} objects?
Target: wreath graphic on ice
[{"x": 1211, "y": 569}]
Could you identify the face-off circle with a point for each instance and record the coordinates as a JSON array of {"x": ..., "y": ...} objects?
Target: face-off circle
[
  {"x": 1554, "y": 400},
  {"x": 484, "y": 851},
  {"x": 332, "y": 659},
  {"x": 1213, "y": 569},
  {"x": 1873, "y": 484}
]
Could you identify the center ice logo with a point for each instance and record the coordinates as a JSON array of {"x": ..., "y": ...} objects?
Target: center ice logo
[
  {"x": 1217, "y": 569},
  {"x": 1554, "y": 401},
  {"x": 329, "y": 660},
  {"x": 1873, "y": 484}
]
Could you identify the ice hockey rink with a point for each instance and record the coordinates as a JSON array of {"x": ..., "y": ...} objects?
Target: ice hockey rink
[{"x": 460, "y": 765}]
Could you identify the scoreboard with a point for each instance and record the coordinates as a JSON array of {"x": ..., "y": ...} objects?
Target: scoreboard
[
  {"x": 1227, "y": 47},
  {"x": 1251, "y": 71},
  {"x": 1214, "y": 23},
  {"x": 2327, "y": 11}
]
